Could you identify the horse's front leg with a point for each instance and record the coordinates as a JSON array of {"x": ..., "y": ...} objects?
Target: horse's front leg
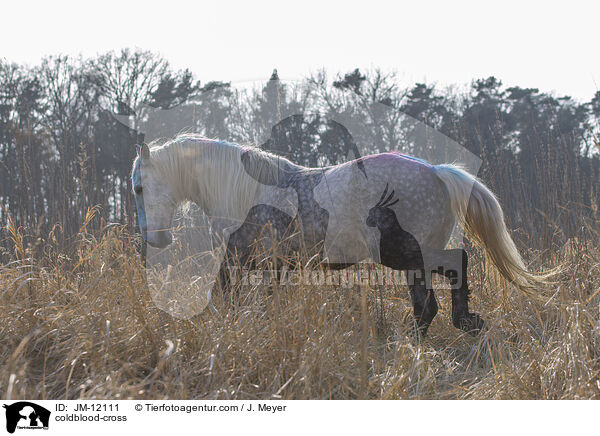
[
  {"x": 229, "y": 275},
  {"x": 237, "y": 256}
]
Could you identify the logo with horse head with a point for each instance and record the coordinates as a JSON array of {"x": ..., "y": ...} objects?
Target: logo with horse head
[{"x": 26, "y": 415}]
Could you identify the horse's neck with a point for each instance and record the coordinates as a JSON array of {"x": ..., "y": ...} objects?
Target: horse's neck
[
  {"x": 220, "y": 188},
  {"x": 230, "y": 192}
]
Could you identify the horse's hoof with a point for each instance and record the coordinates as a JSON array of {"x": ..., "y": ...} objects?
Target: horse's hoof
[
  {"x": 418, "y": 332},
  {"x": 472, "y": 324}
]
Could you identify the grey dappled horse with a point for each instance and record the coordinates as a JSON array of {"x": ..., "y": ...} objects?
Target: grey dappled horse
[{"x": 395, "y": 209}]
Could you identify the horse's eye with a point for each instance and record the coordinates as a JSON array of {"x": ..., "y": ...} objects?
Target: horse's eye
[{"x": 138, "y": 190}]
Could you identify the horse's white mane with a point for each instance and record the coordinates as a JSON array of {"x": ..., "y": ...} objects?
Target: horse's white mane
[{"x": 211, "y": 174}]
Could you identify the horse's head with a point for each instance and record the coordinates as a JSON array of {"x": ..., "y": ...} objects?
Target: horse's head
[
  {"x": 381, "y": 214},
  {"x": 154, "y": 200}
]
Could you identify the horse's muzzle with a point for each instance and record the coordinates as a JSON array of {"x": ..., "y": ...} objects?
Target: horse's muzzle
[{"x": 159, "y": 239}]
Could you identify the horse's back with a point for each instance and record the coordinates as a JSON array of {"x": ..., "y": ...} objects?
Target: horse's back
[{"x": 347, "y": 192}]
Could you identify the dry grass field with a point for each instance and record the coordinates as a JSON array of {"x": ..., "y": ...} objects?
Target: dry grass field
[{"x": 82, "y": 325}]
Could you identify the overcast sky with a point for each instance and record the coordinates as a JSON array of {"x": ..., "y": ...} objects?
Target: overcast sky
[{"x": 549, "y": 46}]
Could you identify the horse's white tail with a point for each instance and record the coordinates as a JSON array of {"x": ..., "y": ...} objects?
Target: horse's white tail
[{"x": 481, "y": 217}]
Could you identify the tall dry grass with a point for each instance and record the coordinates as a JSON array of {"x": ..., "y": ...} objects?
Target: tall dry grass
[{"x": 82, "y": 325}]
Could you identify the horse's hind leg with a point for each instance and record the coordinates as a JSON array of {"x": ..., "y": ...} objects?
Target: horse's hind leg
[
  {"x": 457, "y": 274},
  {"x": 424, "y": 303}
]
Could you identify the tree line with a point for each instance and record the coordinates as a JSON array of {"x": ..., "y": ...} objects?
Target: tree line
[{"x": 68, "y": 129}]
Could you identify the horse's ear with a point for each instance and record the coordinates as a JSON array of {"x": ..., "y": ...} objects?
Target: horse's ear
[{"x": 144, "y": 151}]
